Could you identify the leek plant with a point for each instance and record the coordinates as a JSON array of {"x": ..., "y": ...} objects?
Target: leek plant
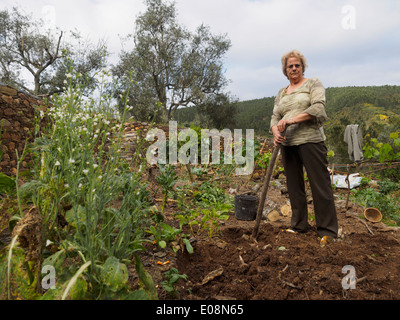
[{"x": 94, "y": 207}]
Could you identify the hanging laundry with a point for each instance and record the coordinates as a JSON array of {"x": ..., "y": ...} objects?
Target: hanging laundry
[{"x": 354, "y": 138}]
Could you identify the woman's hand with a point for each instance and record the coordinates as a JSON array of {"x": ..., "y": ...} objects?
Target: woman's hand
[
  {"x": 282, "y": 124},
  {"x": 278, "y": 138},
  {"x": 279, "y": 128}
]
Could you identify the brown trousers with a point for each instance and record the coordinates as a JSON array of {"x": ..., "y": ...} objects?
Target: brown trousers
[{"x": 313, "y": 156}]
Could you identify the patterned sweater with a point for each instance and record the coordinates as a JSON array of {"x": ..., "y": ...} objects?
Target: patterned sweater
[{"x": 308, "y": 98}]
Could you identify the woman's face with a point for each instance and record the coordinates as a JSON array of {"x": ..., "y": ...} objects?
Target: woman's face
[{"x": 294, "y": 69}]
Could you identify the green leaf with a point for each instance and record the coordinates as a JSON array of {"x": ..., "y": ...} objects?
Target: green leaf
[
  {"x": 146, "y": 279},
  {"x": 75, "y": 215},
  {"x": 28, "y": 189},
  {"x": 72, "y": 282},
  {"x": 79, "y": 289},
  {"x": 188, "y": 245},
  {"x": 137, "y": 295},
  {"x": 6, "y": 183},
  {"x": 13, "y": 221},
  {"x": 386, "y": 153},
  {"x": 55, "y": 259},
  {"x": 224, "y": 217},
  {"x": 114, "y": 274}
]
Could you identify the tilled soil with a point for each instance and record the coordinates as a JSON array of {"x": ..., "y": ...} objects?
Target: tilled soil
[
  {"x": 362, "y": 264},
  {"x": 283, "y": 266}
]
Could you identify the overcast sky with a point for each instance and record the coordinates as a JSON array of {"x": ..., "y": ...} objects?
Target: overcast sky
[{"x": 346, "y": 43}]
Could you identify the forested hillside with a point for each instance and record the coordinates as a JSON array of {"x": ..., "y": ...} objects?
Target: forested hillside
[{"x": 376, "y": 109}]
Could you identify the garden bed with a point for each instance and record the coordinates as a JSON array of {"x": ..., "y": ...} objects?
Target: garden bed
[{"x": 284, "y": 266}]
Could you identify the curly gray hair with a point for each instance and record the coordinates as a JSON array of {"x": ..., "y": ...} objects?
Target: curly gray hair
[{"x": 294, "y": 53}]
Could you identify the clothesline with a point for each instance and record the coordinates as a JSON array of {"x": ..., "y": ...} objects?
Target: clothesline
[{"x": 365, "y": 164}]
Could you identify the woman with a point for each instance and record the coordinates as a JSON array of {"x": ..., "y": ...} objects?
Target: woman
[{"x": 300, "y": 110}]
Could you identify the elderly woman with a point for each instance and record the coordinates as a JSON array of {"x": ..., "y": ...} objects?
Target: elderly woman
[{"x": 300, "y": 109}]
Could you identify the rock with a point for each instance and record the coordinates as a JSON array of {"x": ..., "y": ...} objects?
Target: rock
[
  {"x": 160, "y": 254},
  {"x": 5, "y": 123},
  {"x": 224, "y": 298},
  {"x": 212, "y": 275},
  {"x": 9, "y": 91},
  {"x": 9, "y": 112},
  {"x": 232, "y": 191},
  {"x": 279, "y": 184},
  {"x": 16, "y": 113}
]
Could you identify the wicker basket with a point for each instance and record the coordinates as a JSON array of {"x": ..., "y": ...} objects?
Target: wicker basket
[{"x": 373, "y": 214}]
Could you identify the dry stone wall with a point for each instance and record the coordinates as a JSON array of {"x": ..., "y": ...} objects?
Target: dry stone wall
[
  {"x": 17, "y": 113},
  {"x": 17, "y": 118}
]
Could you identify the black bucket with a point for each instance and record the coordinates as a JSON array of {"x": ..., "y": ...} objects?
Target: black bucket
[{"x": 246, "y": 207}]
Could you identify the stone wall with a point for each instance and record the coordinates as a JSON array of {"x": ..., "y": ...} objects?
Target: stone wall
[
  {"x": 17, "y": 114},
  {"x": 17, "y": 117}
]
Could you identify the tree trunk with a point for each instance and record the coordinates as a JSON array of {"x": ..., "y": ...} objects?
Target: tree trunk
[{"x": 37, "y": 85}]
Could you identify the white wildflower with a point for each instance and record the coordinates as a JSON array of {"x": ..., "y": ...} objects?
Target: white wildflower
[{"x": 57, "y": 163}]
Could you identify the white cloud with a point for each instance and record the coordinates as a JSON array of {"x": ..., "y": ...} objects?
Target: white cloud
[{"x": 260, "y": 32}]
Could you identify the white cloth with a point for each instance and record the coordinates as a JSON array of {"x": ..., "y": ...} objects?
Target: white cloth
[{"x": 340, "y": 181}]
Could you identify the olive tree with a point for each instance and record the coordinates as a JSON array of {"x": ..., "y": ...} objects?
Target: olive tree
[
  {"x": 27, "y": 47},
  {"x": 169, "y": 66}
]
